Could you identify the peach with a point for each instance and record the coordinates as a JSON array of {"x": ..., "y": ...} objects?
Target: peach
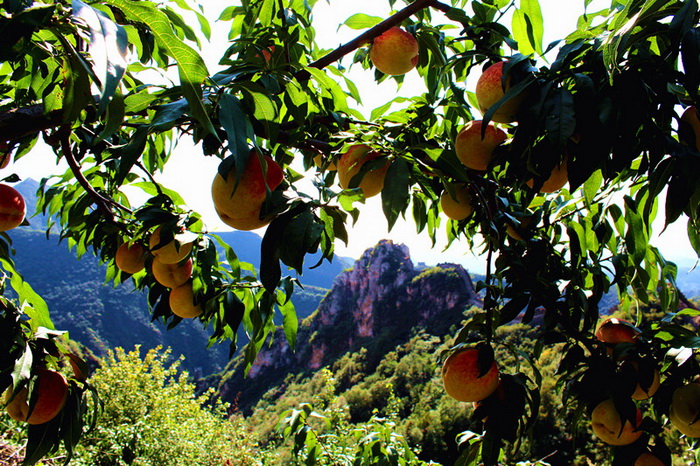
[
  {"x": 685, "y": 409},
  {"x": 490, "y": 88},
  {"x": 558, "y": 177},
  {"x": 394, "y": 52},
  {"x": 350, "y": 165},
  {"x": 130, "y": 258},
  {"x": 613, "y": 331},
  {"x": 238, "y": 206},
  {"x": 182, "y": 302},
  {"x": 171, "y": 275},
  {"x": 458, "y": 207},
  {"x": 170, "y": 253},
  {"x": 642, "y": 393},
  {"x": 607, "y": 425},
  {"x": 474, "y": 151},
  {"x": 329, "y": 163},
  {"x": 460, "y": 376},
  {"x": 12, "y": 208},
  {"x": 690, "y": 116},
  {"x": 648, "y": 459},
  {"x": 51, "y": 392}
]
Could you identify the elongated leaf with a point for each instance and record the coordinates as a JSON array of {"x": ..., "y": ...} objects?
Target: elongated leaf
[
  {"x": 108, "y": 49},
  {"x": 32, "y": 304},
  {"x": 528, "y": 27},
  {"x": 290, "y": 322},
  {"x": 236, "y": 124},
  {"x": 361, "y": 21},
  {"x": 395, "y": 194},
  {"x": 191, "y": 67}
]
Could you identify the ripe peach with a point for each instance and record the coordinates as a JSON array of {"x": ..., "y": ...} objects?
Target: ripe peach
[
  {"x": 394, "y": 52},
  {"x": 182, "y": 301},
  {"x": 648, "y": 459},
  {"x": 685, "y": 409},
  {"x": 51, "y": 393},
  {"x": 490, "y": 89},
  {"x": 239, "y": 206},
  {"x": 171, "y": 252},
  {"x": 613, "y": 331},
  {"x": 642, "y": 394},
  {"x": 557, "y": 178},
  {"x": 12, "y": 208},
  {"x": 171, "y": 275},
  {"x": 130, "y": 258},
  {"x": 607, "y": 425},
  {"x": 690, "y": 116},
  {"x": 473, "y": 151},
  {"x": 459, "y": 208},
  {"x": 319, "y": 161},
  {"x": 350, "y": 165},
  {"x": 460, "y": 376}
]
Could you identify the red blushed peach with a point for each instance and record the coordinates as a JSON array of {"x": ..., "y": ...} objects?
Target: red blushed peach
[
  {"x": 460, "y": 376},
  {"x": 613, "y": 331},
  {"x": 182, "y": 301},
  {"x": 239, "y": 206},
  {"x": 394, "y": 52},
  {"x": 474, "y": 151},
  {"x": 12, "y": 208},
  {"x": 169, "y": 253},
  {"x": 171, "y": 275},
  {"x": 350, "y": 165},
  {"x": 51, "y": 393},
  {"x": 607, "y": 425},
  {"x": 130, "y": 258},
  {"x": 490, "y": 89}
]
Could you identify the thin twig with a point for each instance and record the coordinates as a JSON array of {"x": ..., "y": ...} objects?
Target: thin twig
[{"x": 103, "y": 204}]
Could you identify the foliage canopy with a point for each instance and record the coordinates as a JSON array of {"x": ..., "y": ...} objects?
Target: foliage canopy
[{"x": 79, "y": 75}]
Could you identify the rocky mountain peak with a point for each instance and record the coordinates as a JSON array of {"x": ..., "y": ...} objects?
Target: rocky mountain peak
[{"x": 376, "y": 304}]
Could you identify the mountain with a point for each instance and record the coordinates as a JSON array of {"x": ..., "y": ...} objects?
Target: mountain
[
  {"x": 376, "y": 305},
  {"x": 102, "y": 316}
]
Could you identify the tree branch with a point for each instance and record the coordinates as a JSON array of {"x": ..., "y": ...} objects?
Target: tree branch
[
  {"x": 21, "y": 122},
  {"x": 102, "y": 203}
]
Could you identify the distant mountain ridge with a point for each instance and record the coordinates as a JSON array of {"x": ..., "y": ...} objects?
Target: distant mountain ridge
[{"x": 377, "y": 305}]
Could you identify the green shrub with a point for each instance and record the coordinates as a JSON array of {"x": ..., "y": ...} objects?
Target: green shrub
[{"x": 151, "y": 416}]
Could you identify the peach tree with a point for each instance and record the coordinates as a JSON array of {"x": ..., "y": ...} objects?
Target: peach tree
[{"x": 112, "y": 85}]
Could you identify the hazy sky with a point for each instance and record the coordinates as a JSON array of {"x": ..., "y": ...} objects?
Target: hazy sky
[{"x": 191, "y": 174}]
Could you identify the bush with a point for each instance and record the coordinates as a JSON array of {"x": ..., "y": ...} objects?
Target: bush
[{"x": 151, "y": 416}]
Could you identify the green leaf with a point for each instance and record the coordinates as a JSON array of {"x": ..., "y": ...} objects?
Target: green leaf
[
  {"x": 592, "y": 185},
  {"x": 22, "y": 369},
  {"x": 236, "y": 124},
  {"x": 395, "y": 194},
  {"x": 108, "y": 49},
  {"x": 290, "y": 322},
  {"x": 35, "y": 308},
  {"x": 191, "y": 67},
  {"x": 361, "y": 21},
  {"x": 528, "y": 27}
]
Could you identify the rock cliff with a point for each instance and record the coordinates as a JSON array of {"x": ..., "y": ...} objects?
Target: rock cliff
[{"x": 377, "y": 304}]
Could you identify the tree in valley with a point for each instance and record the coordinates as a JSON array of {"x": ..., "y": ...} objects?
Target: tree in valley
[{"x": 553, "y": 170}]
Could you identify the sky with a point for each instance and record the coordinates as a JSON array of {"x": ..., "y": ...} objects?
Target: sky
[{"x": 191, "y": 174}]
